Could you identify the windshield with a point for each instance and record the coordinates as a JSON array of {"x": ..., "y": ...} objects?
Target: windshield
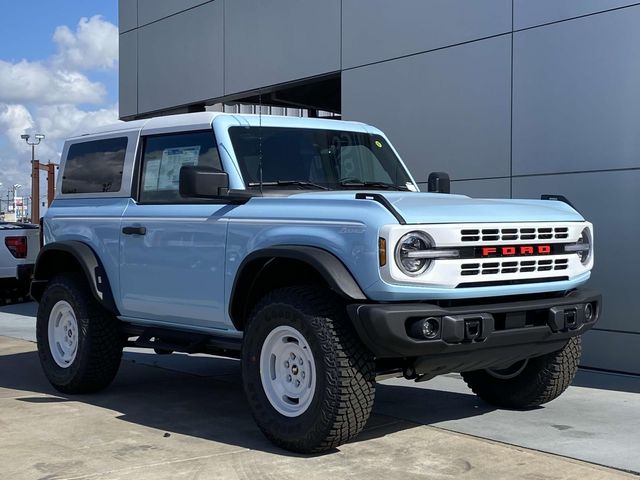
[{"x": 314, "y": 158}]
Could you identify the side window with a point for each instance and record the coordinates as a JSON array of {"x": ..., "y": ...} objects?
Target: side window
[
  {"x": 94, "y": 166},
  {"x": 165, "y": 155}
]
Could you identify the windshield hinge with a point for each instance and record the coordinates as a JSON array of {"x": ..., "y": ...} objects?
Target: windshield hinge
[{"x": 376, "y": 197}]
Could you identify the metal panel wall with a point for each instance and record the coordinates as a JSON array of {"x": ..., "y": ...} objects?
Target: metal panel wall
[
  {"x": 528, "y": 13},
  {"x": 127, "y": 15},
  {"x": 448, "y": 110},
  {"x": 180, "y": 59},
  {"x": 278, "y": 41},
  {"x": 576, "y": 95},
  {"x": 611, "y": 351},
  {"x": 128, "y": 79},
  {"x": 377, "y": 30},
  {"x": 154, "y": 10}
]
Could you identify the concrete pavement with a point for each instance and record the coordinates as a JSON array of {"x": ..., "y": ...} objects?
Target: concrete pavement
[{"x": 185, "y": 417}]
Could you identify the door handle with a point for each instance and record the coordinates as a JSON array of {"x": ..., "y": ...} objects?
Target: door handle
[{"x": 134, "y": 230}]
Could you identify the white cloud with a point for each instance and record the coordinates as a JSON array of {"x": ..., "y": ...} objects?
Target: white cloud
[
  {"x": 94, "y": 44},
  {"x": 26, "y": 82},
  {"x": 50, "y": 96},
  {"x": 61, "y": 121},
  {"x": 14, "y": 121}
]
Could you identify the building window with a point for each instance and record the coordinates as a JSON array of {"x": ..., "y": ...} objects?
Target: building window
[{"x": 95, "y": 167}]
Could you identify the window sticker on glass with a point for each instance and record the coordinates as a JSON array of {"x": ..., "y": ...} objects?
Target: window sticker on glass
[
  {"x": 152, "y": 170},
  {"x": 173, "y": 159}
]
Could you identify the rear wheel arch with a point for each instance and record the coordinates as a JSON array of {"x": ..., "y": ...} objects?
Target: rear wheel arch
[
  {"x": 288, "y": 265},
  {"x": 73, "y": 256}
]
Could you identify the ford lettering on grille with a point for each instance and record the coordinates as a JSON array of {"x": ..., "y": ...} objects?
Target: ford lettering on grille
[{"x": 514, "y": 251}]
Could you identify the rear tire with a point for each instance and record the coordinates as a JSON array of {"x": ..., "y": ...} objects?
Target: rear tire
[
  {"x": 322, "y": 402},
  {"x": 79, "y": 342},
  {"x": 538, "y": 381}
]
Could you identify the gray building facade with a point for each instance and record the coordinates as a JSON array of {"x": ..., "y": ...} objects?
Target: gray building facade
[{"x": 514, "y": 98}]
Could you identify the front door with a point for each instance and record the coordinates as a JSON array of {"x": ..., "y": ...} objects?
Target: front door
[{"x": 173, "y": 248}]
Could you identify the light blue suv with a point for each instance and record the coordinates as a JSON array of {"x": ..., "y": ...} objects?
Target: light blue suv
[{"x": 303, "y": 247}]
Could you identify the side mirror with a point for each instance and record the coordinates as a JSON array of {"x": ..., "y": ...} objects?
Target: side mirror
[
  {"x": 203, "y": 182},
  {"x": 439, "y": 182}
]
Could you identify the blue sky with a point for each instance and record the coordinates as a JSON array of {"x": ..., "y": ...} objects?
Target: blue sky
[
  {"x": 26, "y": 29},
  {"x": 58, "y": 72}
]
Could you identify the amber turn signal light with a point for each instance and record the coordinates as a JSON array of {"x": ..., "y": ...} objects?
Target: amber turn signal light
[{"x": 382, "y": 251}]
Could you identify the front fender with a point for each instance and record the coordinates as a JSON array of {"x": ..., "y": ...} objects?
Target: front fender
[{"x": 67, "y": 256}]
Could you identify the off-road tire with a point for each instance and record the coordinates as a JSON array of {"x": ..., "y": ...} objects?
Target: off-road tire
[
  {"x": 100, "y": 341},
  {"x": 345, "y": 378},
  {"x": 543, "y": 379}
]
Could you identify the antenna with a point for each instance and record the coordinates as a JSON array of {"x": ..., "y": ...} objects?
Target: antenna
[{"x": 260, "y": 139}]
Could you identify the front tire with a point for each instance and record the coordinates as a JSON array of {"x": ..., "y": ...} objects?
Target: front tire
[
  {"x": 79, "y": 342},
  {"x": 309, "y": 380},
  {"x": 530, "y": 383}
]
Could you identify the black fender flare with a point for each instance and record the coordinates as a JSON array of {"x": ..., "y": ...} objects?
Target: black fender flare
[
  {"x": 330, "y": 268},
  {"x": 89, "y": 262}
]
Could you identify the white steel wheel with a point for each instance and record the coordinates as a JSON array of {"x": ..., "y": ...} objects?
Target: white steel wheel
[
  {"x": 63, "y": 334},
  {"x": 287, "y": 371}
]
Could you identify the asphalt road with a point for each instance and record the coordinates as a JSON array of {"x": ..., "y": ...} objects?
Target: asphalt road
[{"x": 185, "y": 417}]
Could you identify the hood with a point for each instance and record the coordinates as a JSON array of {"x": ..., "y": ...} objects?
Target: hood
[{"x": 420, "y": 207}]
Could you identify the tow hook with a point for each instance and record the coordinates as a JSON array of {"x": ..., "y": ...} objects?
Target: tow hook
[
  {"x": 472, "y": 329},
  {"x": 570, "y": 317}
]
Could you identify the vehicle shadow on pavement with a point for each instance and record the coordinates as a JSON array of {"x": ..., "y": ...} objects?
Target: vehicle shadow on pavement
[{"x": 211, "y": 405}]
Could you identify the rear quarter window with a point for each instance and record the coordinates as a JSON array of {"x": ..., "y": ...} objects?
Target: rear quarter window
[{"x": 95, "y": 166}]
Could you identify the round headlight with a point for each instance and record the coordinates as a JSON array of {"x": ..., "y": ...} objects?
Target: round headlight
[
  {"x": 585, "y": 242},
  {"x": 413, "y": 242}
]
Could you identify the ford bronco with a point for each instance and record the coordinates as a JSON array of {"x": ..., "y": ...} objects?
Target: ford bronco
[{"x": 304, "y": 248}]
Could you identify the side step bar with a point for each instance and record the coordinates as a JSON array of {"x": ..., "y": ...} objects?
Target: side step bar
[{"x": 179, "y": 341}]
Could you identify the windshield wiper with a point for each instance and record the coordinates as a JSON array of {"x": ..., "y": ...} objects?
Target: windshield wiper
[
  {"x": 297, "y": 183},
  {"x": 383, "y": 185}
]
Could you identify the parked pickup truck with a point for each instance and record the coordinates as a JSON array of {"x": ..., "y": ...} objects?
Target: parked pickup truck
[
  {"x": 19, "y": 245},
  {"x": 303, "y": 247}
]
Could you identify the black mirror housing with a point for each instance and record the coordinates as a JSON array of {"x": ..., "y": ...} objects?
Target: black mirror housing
[
  {"x": 203, "y": 182},
  {"x": 439, "y": 182}
]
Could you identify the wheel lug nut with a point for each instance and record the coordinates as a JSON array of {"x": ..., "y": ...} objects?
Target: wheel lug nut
[
  {"x": 286, "y": 364},
  {"x": 288, "y": 378},
  {"x": 302, "y": 374},
  {"x": 300, "y": 361},
  {"x": 297, "y": 383}
]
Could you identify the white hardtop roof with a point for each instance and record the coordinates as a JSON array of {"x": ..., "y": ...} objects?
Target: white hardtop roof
[{"x": 203, "y": 120}]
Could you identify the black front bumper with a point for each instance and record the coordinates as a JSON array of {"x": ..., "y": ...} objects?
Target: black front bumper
[{"x": 501, "y": 331}]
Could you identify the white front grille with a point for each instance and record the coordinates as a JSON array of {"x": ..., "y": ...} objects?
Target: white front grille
[
  {"x": 450, "y": 273},
  {"x": 512, "y": 266},
  {"x": 513, "y": 234}
]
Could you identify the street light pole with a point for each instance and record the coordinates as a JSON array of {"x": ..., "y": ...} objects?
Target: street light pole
[{"x": 35, "y": 174}]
